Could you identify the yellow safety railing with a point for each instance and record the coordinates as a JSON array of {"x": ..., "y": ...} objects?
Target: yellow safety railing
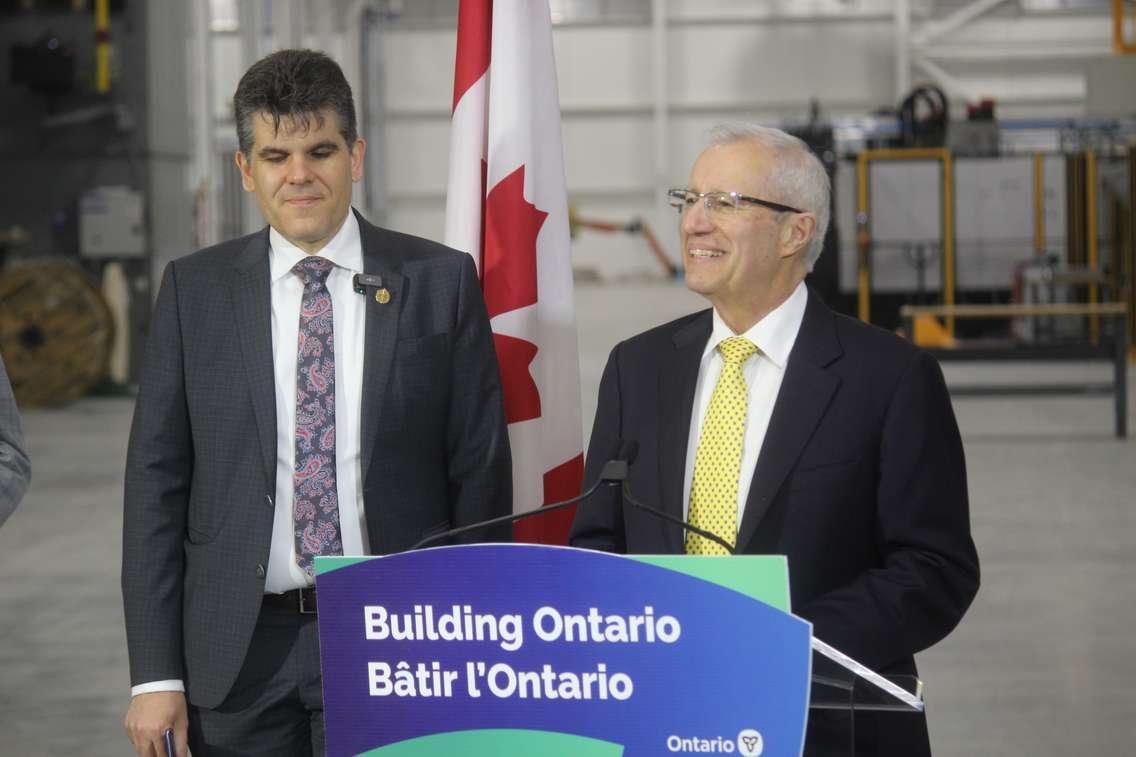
[
  {"x": 864, "y": 216},
  {"x": 1121, "y": 43}
]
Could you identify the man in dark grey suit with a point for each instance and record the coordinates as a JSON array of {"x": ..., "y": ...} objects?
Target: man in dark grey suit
[
  {"x": 834, "y": 442},
  {"x": 323, "y": 386},
  {"x": 15, "y": 470}
]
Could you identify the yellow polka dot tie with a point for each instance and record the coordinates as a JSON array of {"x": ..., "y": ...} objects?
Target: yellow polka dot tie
[{"x": 714, "y": 490}]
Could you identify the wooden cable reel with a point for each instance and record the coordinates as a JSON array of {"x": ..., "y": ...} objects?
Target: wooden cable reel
[{"x": 56, "y": 332}]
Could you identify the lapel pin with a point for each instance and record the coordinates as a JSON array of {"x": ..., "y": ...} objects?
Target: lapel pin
[{"x": 382, "y": 295}]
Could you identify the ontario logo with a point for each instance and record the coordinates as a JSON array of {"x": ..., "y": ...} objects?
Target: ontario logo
[{"x": 748, "y": 744}]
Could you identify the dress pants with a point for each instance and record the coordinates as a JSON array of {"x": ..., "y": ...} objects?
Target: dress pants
[{"x": 276, "y": 704}]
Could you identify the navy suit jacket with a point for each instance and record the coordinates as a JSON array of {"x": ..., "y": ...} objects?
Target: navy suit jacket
[
  {"x": 860, "y": 481},
  {"x": 201, "y": 466}
]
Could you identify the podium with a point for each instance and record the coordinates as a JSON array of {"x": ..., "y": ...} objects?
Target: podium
[{"x": 514, "y": 649}]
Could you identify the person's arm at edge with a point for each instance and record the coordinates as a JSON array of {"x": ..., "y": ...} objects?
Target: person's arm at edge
[{"x": 15, "y": 468}]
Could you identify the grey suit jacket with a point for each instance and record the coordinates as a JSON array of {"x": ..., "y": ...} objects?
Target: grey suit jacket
[
  {"x": 15, "y": 470},
  {"x": 200, "y": 472}
]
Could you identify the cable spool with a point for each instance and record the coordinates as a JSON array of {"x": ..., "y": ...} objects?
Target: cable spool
[{"x": 56, "y": 332}]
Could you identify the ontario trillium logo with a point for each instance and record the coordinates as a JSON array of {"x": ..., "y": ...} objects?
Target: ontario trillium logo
[{"x": 750, "y": 743}]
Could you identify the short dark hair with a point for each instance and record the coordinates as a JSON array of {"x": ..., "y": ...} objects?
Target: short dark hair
[{"x": 297, "y": 84}]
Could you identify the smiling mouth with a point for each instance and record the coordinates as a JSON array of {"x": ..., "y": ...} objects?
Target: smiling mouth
[
  {"x": 696, "y": 252},
  {"x": 302, "y": 201}
]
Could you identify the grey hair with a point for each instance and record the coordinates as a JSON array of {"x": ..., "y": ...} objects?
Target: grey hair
[{"x": 799, "y": 178}]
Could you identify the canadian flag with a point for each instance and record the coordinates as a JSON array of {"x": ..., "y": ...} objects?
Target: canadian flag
[{"x": 507, "y": 206}]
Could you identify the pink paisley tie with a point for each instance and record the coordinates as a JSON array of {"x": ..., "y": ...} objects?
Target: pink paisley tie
[{"x": 315, "y": 503}]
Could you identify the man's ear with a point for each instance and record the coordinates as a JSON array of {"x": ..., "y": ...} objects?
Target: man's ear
[
  {"x": 796, "y": 234},
  {"x": 246, "y": 171},
  {"x": 358, "y": 150}
]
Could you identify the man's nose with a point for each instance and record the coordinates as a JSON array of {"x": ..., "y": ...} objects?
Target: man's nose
[
  {"x": 696, "y": 219},
  {"x": 299, "y": 171}
]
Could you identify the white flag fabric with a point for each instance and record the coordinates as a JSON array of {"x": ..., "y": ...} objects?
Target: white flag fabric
[{"x": 507, "y": 206}]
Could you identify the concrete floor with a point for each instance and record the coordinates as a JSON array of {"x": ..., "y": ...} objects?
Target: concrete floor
[{"x": 1044, "y": 663}]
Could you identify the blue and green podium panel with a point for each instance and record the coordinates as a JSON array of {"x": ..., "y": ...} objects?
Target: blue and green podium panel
[{"x": 511, "y": 649}]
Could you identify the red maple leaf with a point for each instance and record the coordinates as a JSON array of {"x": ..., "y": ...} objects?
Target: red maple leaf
[
  {"x": 522, "y": 398},
  {"x": 511, "y": 226}
]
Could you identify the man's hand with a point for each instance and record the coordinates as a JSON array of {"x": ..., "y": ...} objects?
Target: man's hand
[{"x": 150, "y": 716}]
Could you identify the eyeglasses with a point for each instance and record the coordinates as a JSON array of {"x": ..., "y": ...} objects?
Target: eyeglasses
[{"x": 721, "y": 203}]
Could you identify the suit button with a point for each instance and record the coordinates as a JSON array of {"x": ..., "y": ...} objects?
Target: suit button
[
  {"x": 268, "y": 500},
  {"x": 259, "y": 571}
]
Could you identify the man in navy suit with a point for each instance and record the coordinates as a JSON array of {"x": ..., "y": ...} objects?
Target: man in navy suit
[
  {"x": 289, "y": 408},
  {"x": 846, "y": 456}
]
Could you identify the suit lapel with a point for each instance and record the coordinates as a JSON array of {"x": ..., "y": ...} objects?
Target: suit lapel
[
  {"x": 249, "y": 288},
  {"x": 380, "y": 333},
  {"x": 806, "y": 391},
  {"x": 678, "y": 378}
]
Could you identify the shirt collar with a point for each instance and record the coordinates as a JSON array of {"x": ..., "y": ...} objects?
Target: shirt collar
[
  {"x": 344, "y": 250},
  {"x": 774, "y": 334}
]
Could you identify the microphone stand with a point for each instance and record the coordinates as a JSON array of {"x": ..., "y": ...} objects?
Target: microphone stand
[
  {"x": 676, "y": 521},
  {"x": 613, "y": 472}
]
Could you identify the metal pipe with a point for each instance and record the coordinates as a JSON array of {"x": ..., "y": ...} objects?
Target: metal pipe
[
  {"x": 863, "y": 240},
  {"x": 1115, "y": 213},
  {"x": 250, "y": 17},
  {"x": 659, "y": 120},
  {"x": 201, "y": 93},
  {"x": 905, "y": 153},
  {"x": 1074, "y": 209},
  {"x": 1129, "y": 259},
  {"x": 1120, "y": 44},
  {"x": 948, "y": 192},
  {"x": 902, "y": 22},
  {"x": 1120, "y": 377},
  {"x": 1091, "y": 238},
  {"x": 373, "y": 115},
  {"x": 1038, "y": 204},
  {"x": 102, "y": 46},
  {"x": 356, "y": 50},
  {"x": 1108, "y": 309}
]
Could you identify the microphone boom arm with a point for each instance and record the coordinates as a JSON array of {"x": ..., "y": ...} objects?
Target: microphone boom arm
[
  {"x": 614, "y": 471},
  {"x": 513, "y": 517},
  {"x": 676, "y": 521}
]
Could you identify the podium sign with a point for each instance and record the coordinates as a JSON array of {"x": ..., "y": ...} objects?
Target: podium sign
[{"x": 519, "y": 649}]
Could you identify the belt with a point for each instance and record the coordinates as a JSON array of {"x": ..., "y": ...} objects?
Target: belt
[{"x": 302, "y": 601}]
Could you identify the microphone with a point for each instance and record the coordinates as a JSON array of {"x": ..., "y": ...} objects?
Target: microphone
[
  {"x": 614, "y": 470},
  {"x": 361, "y": 281}
]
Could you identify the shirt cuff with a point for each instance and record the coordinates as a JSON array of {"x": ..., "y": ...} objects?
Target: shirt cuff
[{"x": 172, "y": 684}]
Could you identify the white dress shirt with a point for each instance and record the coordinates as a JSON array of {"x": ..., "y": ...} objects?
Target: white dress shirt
[
  {"x": 774, "y": 335},
  {"x": 348, "y": 309},
  {"x": 286, "y": 290}
]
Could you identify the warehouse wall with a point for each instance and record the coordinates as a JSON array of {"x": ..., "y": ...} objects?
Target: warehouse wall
[
  {"x": 715, "y": 73},
  {"x": 724, "y": 60}
]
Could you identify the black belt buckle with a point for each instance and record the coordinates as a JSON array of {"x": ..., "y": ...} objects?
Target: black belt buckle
[{"x": 307, "y": 601}]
